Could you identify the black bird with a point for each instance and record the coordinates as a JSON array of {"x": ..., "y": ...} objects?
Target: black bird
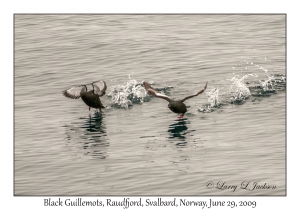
[
  {"x": 176, "y": 106},
  {"x": 90, "y": 98}
]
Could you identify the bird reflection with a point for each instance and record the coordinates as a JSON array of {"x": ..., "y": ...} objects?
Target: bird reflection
[
  {"x": 94, "y": 124},
  {"x": 91, "y": 136},
  {"x": 177, "y": 131}
]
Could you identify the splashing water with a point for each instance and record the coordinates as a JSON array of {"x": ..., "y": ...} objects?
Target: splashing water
[
  {"x": 239, "y": 89},
  {"x": 213, "y": 99},
  {"x": 268, "y": 84},
  {"x": 123, "y": 96}
]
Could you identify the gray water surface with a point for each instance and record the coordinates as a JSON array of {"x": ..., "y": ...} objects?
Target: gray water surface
[{"x": 140, "y": 147}]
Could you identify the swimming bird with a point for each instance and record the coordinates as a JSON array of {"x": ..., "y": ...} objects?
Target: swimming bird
[
  {"x": 90, "y": 98},
  {"x": 176, "y": 106}
]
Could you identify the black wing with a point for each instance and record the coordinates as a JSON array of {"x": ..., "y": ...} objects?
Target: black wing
[
  {"x": 154, "y": 93},
  {"x": 201, "y": 91},
  {"x": 74, "y": 92}
]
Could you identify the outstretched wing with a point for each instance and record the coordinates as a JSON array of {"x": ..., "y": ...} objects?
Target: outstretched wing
[
  {"x": 74, "y": 92},
  {"x": 99, "y": 87},
  {"x": 154, "y": 93},
  {"x": 201, "y": 91}
]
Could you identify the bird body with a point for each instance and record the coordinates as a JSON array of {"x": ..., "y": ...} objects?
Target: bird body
[
  {"x": 176, "y": 106},
  {"x": 90, "y": 98}
]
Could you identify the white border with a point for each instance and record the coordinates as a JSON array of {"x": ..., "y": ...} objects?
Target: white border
[{"x": 8, "y": 8}]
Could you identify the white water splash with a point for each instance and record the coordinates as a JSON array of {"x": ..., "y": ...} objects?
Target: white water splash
[
  {"x": 239, "y": 89},
  {"x": 213, "y": 99},
  {"x": 123, "y": 96},
  {"x": 268, "y": 84}
]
